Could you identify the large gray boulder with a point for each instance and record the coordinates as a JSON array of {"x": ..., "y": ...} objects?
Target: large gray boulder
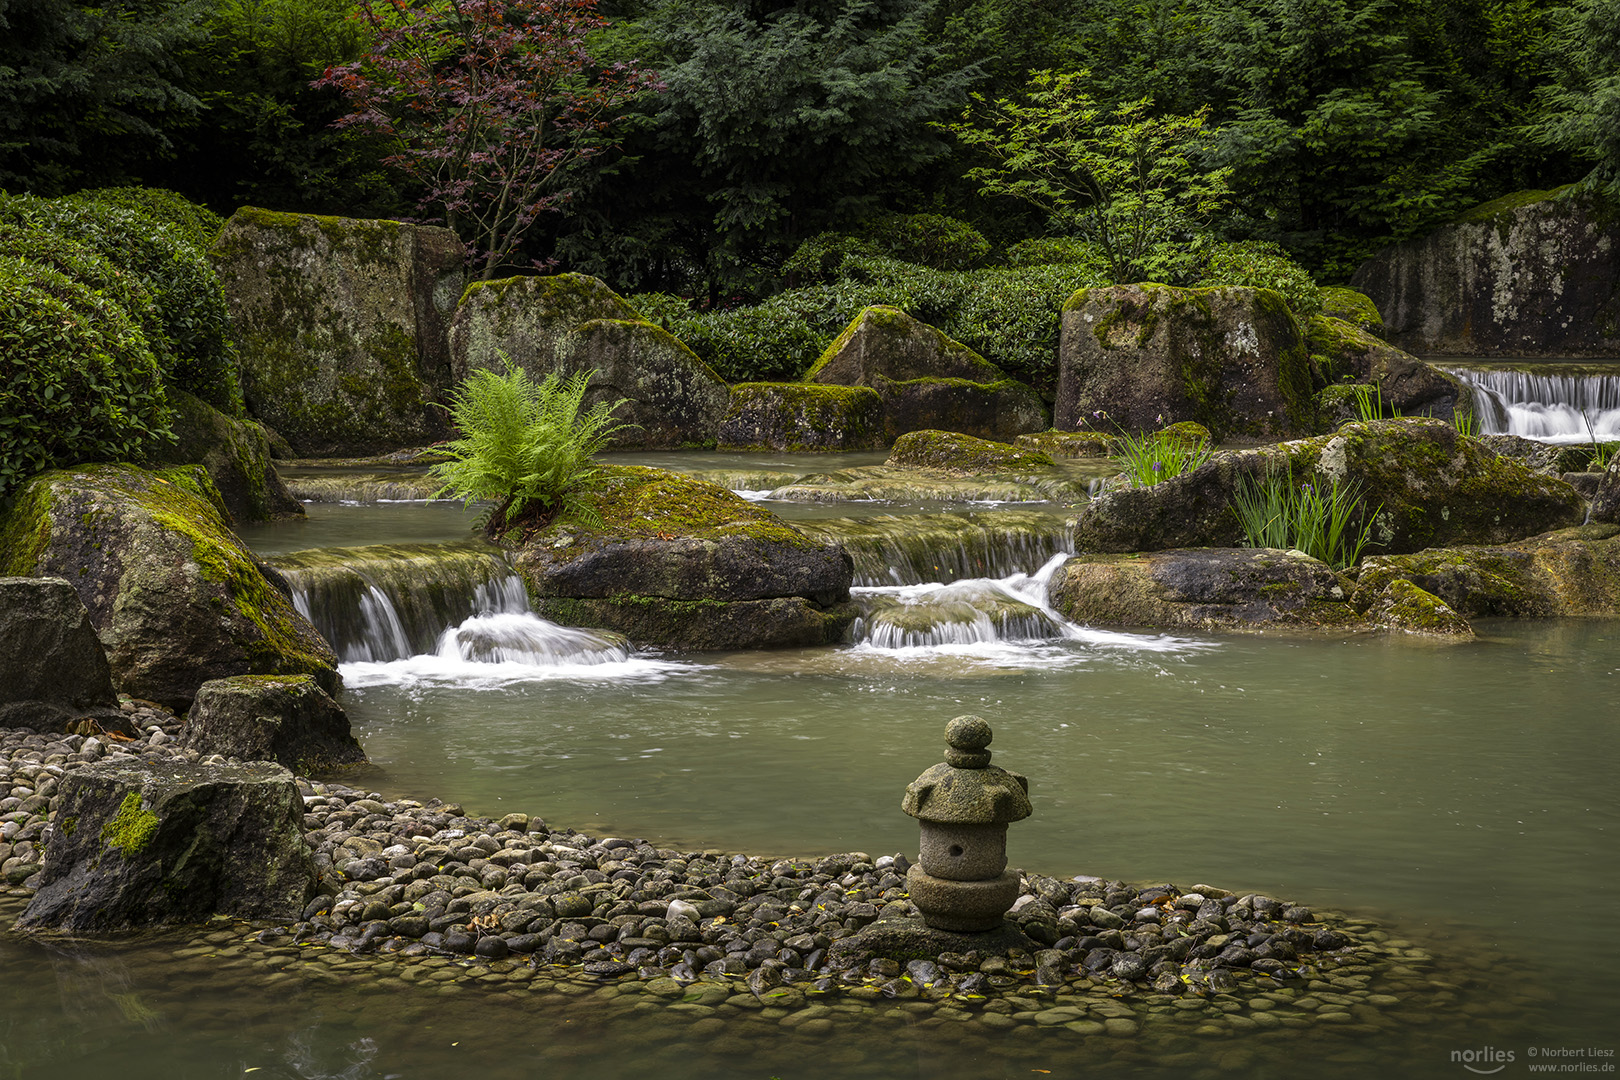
[
  {"x": 1406, "y": 386},
  {"x": 287, "y": 719},
  {"x": 174, "y": 595},
  {"x": 53, "y": 670},
  {"x": 1532, "y": 274},
  {"x": 342, "y": 326},
  {"x": 678, "y": 562},
  {"x": 1423, "y": 484},
  {"x": 925, "y": 380},
  {"x": 156, "y": 843},
  {"x": 236, "y": 454},
  {"x": 572, "y": 323},
  {"x": 1137, "y": 357},
  {"x": 802, "y": 417}
]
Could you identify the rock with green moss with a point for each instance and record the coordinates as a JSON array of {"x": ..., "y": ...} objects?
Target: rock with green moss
[
  {"x": 1403, "y": 606},
  {"x": 141, "y": 844},
  {"x": 802, "y": 417},
  {"x": 1606, "y": 503},
  {"x": 573, "y": 323},
  {"x": 174, "y": 595},
  {"x": 236, "y": 454},
  {"x": 1353, "y": 307},
  {"x": 1530, "y": 274},
  {"x": 926, "y": 380},
  {"x": 1404, "y": 385},
  {"x": 1204, "y": 589},
  {"x": 1421, "y": 483},
  {"x": 1567, "y": 573},
  {"x": 53, "y": 670},
  {"x": 287, "y": 719},
  {"x": 1069, "y": 444},
  {"x": 1139, "y": 356},
  {"x": 342, "y": 326},
  {"x": 677, "y": 562},
  {"x": 962, "y": 455}
]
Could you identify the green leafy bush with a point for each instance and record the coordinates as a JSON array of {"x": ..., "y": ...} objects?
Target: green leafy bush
[
  {"x": 77, "y": 379},
  {"x": 201, "y": 358},
  {"x": 198, "y": 225},
  {"x": 524, "y": 445},
  {"x": 1047, "y": 250},
  {"x": 90, "y": 268},
  {"x": 932, "y": 240},
  {"x": 1277, "y": 513},
  {"x": 1261, "y": 265}
]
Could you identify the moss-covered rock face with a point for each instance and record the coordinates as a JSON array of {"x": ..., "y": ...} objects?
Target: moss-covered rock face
[
  {"x": 1062, "y": 484},
  {"x": 1232, "y": 359},
  {"x": 677, "y": 562},
  {"x": 1606, "y": 503},
  {"x": 236, "y": 454},
  {"x": 1204, "y": 589},
  {"x": 342, "y": 326},
  {"x": 572, "y": 323},
  {"x": 926, "y": 380},
  {"x": 1069, "y": 444},
  {"x": 175, "y": 596},
  {"x": 802, "y": 417},
  {"x": 1355, "y": 308},
  {"x": 1532, "y": 274},
  {"x": 53, "y": 670},
  {"x": 1570, "y": 572},
  {"x": 961, "y": 454},
  {"x": 1422, "y": 484},
  {"x": 1406, "y": 385}
]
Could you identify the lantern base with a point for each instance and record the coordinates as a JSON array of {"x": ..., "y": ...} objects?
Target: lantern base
[{"x": 962, "y": 906}]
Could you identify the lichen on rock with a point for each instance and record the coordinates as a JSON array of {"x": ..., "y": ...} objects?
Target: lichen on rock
[{"x": 800, "y": 417}]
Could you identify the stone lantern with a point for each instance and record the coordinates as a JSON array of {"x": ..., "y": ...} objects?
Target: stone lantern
[{"x": 961, "y": 882}]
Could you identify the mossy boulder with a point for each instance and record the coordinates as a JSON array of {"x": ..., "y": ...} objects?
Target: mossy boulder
[
  {"x": 953, "y": 452},
  {"x": 1570, "y": 572},
  {"x": 53, "y": 670},
  {"x": 1606, "y": 503},
  {"x": 1352, "y": 307},
  {"x": 1531, "y": 274},
  {"x": 1422, "y": 483},
  {"x": 1141, "y": 356},
  {"x": 1404, "y": 384},
  {"x": 1203, "y": 589},
  {"x": 572, "y": 323},
  {"x": 926, "y": 380},
  {"x": 175, "y": 597},
  {"x": 1069, "y": 444},
  {"x": 342, "y": 326},
  {"x": 677, "y": 562},
  {"x": 802, "y": 417},
  {"x": 236, "y": 454},
  {"x": 1401, "y": 605},
  {"x": 138, "y": 844},
  {"x": 287, "y": 719}
]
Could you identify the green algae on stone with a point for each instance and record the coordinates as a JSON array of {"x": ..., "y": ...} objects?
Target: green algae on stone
[
  {"x": 1353, "y": 307},
  {"x": 131, "y": 829},
  {"x": 802, "y": 417}
]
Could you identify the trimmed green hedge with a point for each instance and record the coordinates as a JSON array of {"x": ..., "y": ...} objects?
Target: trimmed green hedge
[
  {"x": 198, "y": 225},
  {"x": 1261, "y": 265},
  {"x": 200, "y": 357},
  {"x": 78, "y": 381}
]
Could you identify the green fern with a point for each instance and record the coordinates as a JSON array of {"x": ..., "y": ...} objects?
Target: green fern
[{"x": 524, "y": 443}]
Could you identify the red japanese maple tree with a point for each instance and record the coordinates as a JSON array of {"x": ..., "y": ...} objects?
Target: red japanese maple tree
[{"x": 489, "y": 102}]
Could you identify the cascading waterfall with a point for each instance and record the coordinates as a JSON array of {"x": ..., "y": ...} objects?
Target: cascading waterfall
[
  {"x": 912, "y": 549},
  {"x": 457, "y": 602},
  {"x": 1578, "y": 405}
]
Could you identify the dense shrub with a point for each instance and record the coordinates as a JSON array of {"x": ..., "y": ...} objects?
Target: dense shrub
[
  {"x": 90, "y": 268},
  {"x": 78, "y": 381},
  {"x": 200, "y": 358},
  {"x": 932, "y": 240},
  {"x": 1261, "y": 265},
  {"x": 1051, "y": 250},
  {"x": 197, "y": 225}
]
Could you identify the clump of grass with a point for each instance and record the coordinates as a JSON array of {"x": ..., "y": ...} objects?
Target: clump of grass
[
  {"x": 1602, "y": 452},
  {"x": 525, "y": 446},
  {"x": 1275, "y": 512},
  {"x": 1466, "y": 423},
  {"x": 1157, "y": 456},
  {"x": 1369, "y": 401}
]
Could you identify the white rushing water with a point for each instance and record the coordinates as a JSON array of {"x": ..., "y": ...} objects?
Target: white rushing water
[{"x": 1548, "y": 407}]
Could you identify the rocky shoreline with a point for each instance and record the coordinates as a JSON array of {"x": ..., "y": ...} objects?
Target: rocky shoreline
[{"x": 421, "y": 895}]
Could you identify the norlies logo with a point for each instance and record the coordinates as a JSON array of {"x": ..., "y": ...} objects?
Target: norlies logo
[{"x": 1481, "y": 1061}]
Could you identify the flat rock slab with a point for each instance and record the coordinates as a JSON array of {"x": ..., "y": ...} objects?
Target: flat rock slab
[
  {"x": 287, "y": 719},
  {"x": 152, "y": 843}
]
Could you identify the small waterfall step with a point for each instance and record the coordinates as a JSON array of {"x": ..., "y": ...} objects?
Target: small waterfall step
[
  {"x": 392, "y": 601},
  {"x": 913, "y": 549},
  {"x": 1567, "y": 402}
]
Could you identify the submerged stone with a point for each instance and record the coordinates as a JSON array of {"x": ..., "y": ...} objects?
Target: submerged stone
[{"x": 163, "y": 842}]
